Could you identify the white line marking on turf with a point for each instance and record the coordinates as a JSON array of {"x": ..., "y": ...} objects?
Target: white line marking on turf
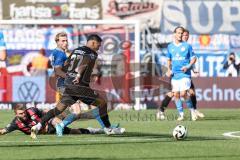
[
  {"x": 83, "y": 140},
  {"x": 231, "y": 134}
]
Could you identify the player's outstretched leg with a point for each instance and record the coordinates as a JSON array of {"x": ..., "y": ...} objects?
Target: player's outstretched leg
[
  {"x": 50, "y": 114},
  {"x": 73, "y": 116}
]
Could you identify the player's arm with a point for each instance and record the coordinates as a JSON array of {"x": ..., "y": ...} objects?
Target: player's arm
[
  {"x": 189, "y": 66},
  {"x": 169, "y": 63},
  {"x": 193, "y": 60},
  {"x": 9, "y": 128},
  {"x": 96, "y": 74},
  {"x": 169, "y": 70},
  {"x": 59, "y": 72},
  {"x": 57, "y": 66},
  {"x": 82, "y": 64},
  {"x": 3, "y": 131},
  {"x": 3, "y": 54}
]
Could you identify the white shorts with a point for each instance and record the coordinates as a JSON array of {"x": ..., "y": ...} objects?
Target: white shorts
[{"x": 181, "y": 84}]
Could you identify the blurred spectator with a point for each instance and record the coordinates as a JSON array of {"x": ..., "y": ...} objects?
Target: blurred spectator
[
  {"x": 3, "y": 55},
  {"x": 40, "y": 64},
  {"x": 231, "y": 67}
]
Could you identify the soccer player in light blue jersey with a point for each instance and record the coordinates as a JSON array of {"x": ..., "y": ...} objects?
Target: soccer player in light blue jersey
[
  {"x": 169, "y": 95},
  {"x": 180, "y": 61}
]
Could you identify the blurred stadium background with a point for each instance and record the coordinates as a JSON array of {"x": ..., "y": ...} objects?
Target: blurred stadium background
[{"x": 214, "y": 27}]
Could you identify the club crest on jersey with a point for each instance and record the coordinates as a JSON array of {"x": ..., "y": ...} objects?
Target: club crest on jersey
[
  {"x": 183, "y": 49},
  {"x": 92, "y": 56},
  {"x": 80, "y": 52}
]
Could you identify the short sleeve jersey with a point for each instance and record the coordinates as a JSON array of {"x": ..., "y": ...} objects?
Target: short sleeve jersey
[
  {"x": 82, "y": 56},
  {"x": 58, "y": 57},
  {"x": 180, "y": 55},
  {"x": 33, "y": 117}
]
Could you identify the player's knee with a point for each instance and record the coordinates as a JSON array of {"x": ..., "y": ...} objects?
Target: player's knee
[
  {"x": 176, "y": 95},
  {"x": 61, "y": 107},
  {"x": 55, "y": 121},
  {"x": 183, "y": 94},
  {"x": 100, "y": 102},
  {"x": 170, "y": 94},
  {"x": 191, "y": 92},
  {"x": 75, "y": 108}
]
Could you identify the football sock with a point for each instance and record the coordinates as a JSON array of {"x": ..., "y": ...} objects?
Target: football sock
[
  {"x": 194, "y": 101},
  {"x": 189, "y": 104},
  {"x": 179, "y": 106},
  {"x": 96, "y": 115},
  {"x": 69, "y": 119},
  {"x": 165, "y": 103},
  {"x": 105, "y": 120}
]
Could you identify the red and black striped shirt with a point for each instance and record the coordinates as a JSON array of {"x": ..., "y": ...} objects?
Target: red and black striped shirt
[{"x": 33, "y": 117}]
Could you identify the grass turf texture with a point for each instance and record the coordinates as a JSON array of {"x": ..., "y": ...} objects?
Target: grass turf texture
[{"x": 146, "y": 138}]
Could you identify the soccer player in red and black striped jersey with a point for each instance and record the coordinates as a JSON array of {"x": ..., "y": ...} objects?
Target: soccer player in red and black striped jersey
[{"x": 26, "y": 118}]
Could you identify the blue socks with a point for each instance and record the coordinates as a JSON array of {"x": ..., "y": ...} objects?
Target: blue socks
[
  {"x": 68, "y": 120},
  {"x": 179, "y": 105},
  {"x": 189, "y": 103},
  {"x": 96, "y": 115}
]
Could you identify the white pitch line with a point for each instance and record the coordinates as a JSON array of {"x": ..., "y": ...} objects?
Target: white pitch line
[
  {"x": 83, "y": 140},
  {"x": 231, "y": 134}
]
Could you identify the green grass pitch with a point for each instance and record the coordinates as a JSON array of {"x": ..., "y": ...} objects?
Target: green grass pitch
[{"x": 146, "y": 138}]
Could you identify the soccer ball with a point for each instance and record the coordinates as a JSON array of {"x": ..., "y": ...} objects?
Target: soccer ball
[{"x": 180, "y": 132}]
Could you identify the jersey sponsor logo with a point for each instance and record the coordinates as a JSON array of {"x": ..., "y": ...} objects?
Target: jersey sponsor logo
[
  {"x": 177, "y": 57},
  {"x": 80, "y": 52}
]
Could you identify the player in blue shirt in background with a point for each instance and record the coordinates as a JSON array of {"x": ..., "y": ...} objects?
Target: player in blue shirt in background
[
  {"x": 169, "y": 95},
  {"x": 180, "y": 61},
  {"x": 58, "y": 59}
]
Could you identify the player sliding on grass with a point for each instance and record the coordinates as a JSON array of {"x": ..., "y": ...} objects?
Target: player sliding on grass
[
  {"x": 169, "y": 95},
  {"x": 26, "y": 118},
  {"x": 79, "y": 70}
]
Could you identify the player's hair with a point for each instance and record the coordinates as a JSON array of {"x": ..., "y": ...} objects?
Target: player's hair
[
  {"x": 94, "y": 37},
  {"x": 175, "y": 30},
  {"x": 186, "y": 30},
  {"x": 19, "y": 106},
  {"x": 61, "y": 34}
]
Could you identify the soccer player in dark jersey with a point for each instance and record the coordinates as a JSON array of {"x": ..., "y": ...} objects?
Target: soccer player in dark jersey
[
  {"x": 58, "y": 59},
  {"x": 79, "y": 70},
  {"x": 26, "y": 118},
  {"x": 169, "y": 95}
]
